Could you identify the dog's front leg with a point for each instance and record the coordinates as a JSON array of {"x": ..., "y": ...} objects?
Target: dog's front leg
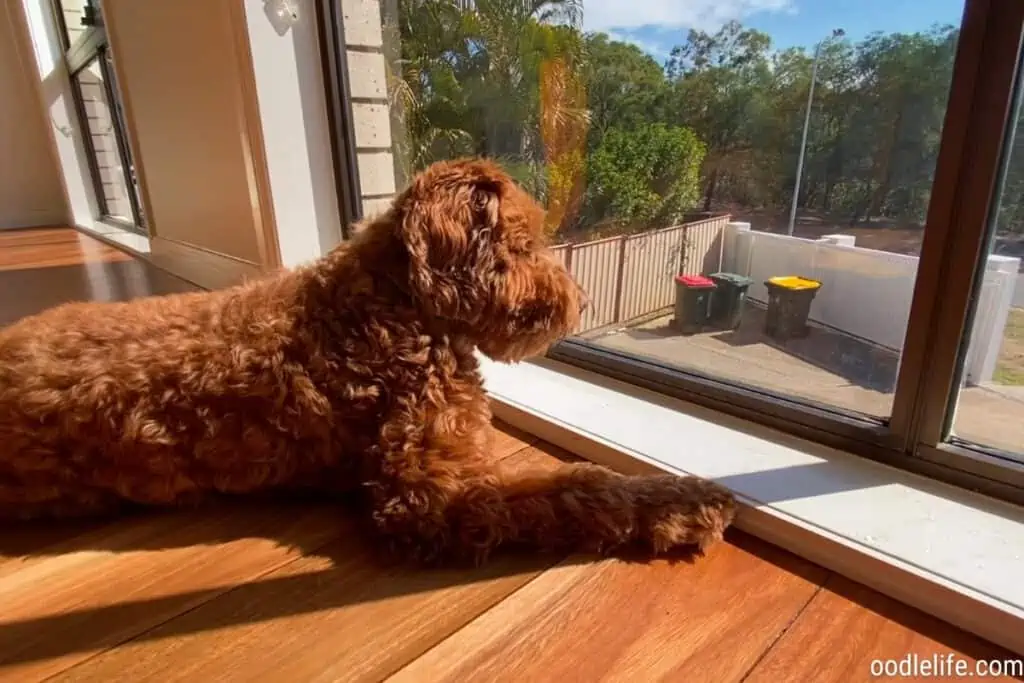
[{"x": 442, "y": 500}]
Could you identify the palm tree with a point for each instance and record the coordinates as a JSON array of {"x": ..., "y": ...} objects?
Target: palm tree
[{"x": 469, "y": 79}]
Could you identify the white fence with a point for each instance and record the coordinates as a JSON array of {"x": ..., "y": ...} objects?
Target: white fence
[{"x": 867, "y": 293}]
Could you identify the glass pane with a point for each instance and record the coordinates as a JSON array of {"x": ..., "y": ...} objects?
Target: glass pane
[
  {"x": 990, "y": 406},
  {"x": 78, "y": 16},
  {"x": 667, "y": 142},
  {"x": 128, "y": 159},
  {"x": 103, "y": 146}
]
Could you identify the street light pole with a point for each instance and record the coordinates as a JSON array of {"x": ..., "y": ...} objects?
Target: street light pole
[{"x": 807, "y": 124}]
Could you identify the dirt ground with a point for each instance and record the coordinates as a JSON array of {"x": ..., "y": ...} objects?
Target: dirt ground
[{"x": 881, "y": 234}]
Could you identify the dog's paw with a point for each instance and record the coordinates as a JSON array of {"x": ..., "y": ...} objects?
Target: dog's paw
[{"x": 676, "y": 512}]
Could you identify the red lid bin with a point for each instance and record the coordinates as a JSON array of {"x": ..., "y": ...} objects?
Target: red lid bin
[
  {"x": 695, "y": 281},
  {"x": 693, "y": 300}
]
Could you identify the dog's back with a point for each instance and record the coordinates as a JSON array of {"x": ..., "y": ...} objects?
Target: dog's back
[{"x": 154, "y": 401}]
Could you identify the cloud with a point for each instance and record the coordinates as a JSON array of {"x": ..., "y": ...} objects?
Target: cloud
[
  {"x": 606, "y": 15},
  {"x": 654, "y": 48}
]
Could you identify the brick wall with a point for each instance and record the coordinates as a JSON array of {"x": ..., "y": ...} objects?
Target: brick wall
[{"x": 364, "y": 43}]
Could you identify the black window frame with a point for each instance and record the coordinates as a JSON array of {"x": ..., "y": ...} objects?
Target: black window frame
[
  {"x": 344, "y": 156},
  {"x": 93, "y": 46}
]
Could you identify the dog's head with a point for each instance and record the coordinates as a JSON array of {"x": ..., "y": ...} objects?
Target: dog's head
[{"x": 477, "y": 259}]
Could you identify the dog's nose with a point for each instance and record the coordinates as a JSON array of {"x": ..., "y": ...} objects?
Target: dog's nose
[{"x": 584, "y": 301}]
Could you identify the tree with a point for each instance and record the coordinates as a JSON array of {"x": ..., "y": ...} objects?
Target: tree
[
  {"x": 625, "y": 86},
  {"x": 906, "y": 81},
  {"x": 645, "y": 175},
  {"x": 1010, "y": 212},
  {"x": 604, "y": 135},
  {"x": 731, "y": 47},
  {"x": 719, "y": 85},
  {"x": 564, "y": 122},
  {"x": 430, "y": 115},
  {"x": 467, "y": 80}
]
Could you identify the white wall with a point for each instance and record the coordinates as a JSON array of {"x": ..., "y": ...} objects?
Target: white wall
[
  {"x": 868, "y": 293},
  {"x": 292, "y": 129},
  {"x": 290, "y": 88},
  {"x": 865, "y": 292},
  {"x": 994, "y": 303},
  {"x": 31, "y": 193},
  {"x": 296, "y": 135}
]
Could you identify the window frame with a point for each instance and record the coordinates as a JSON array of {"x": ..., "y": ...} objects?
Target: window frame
[
  {"x": 93, "y": 46},
  {"x": 979, "y": 107},
  {"x": 340, "y": 117},
  {"x": 969, "y": 231}
]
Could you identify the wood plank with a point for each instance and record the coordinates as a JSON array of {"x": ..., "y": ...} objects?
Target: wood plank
[
  {"x": 542, "y": 455},
  {"x": 623, "y": 621},
  {"x": 337, "y": 618},
  {"x": 848, "y": 626},
  {"x": 508, "y": 440},
  {"x": 43, "y": 248},
  {"x": 37, "y": 236},
  {"x": 70, "y": 602},
  {"x": 49, "y": 256},
  {"x": 56, "y": 266},
  {"x": 18, "y": 542}
]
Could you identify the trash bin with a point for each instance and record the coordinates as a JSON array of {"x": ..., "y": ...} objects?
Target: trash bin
[
  {"x": 693, "y": 301},
  {"x": 789, "y": 306},
  {"x": 727, "y": 301}
]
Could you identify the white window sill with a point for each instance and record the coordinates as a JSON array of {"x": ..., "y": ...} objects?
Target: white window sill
[
  {"x": 132, "y": 241},
  {"x": 951, "y": 553}
]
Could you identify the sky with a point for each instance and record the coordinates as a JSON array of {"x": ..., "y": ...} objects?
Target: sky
[{"x": 657, "y": 25}]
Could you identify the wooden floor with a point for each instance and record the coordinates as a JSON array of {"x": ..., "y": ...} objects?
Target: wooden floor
[
  {"x": 48, "y": 266},
  {"x": 289, "y": 592}
]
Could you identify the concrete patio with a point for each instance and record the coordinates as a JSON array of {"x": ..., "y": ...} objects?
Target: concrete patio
[{"x": 825, "y": 368}]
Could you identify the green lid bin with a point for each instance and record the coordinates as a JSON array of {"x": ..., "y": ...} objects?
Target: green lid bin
[{"x": 728, "y": 299}]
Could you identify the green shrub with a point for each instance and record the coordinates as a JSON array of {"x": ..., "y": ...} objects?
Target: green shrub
[{"x": 646, "y": 175}]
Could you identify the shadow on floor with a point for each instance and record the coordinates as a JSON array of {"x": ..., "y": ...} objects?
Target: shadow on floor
[
  {"x": 352, "y": 578},
  {"x": 36, "y": 289},
  {"x": 856, "y": 361},
  {"x": 947, "y": 636},
  {"x": 352, "y": 575}
]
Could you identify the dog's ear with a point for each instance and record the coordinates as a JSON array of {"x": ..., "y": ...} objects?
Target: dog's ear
[{"x": 447, "y": 224}]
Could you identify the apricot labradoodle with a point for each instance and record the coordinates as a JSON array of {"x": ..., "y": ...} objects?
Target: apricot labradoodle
[{"x": 355, "y": 374}]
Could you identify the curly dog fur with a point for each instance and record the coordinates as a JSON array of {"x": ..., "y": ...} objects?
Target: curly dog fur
[{"x": 354, "y": 374}]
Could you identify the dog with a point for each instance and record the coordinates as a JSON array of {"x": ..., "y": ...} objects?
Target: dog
[{"x": 353, "y": 376}]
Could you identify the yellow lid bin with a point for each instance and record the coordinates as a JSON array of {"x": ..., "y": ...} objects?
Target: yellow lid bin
[
  {"x": 789, "y": 306},
  {"x": 794, "y": 283}
]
